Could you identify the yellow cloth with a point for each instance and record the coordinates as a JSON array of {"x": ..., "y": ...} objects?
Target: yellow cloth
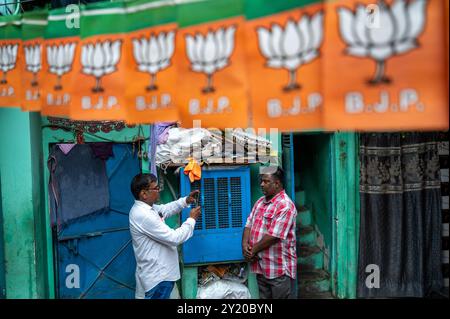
[{"x": 194, "y": 170}]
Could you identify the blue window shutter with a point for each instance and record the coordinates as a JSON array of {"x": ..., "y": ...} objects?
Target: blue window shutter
[{"x": 225, "y": 200}]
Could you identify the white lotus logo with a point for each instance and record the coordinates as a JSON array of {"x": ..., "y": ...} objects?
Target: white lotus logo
[
  {"x": 100, "y": 59},
  {"x": 153, "y": 54},
  {"x": 33, "y": 61},
  {"x": 8, "y": 57},
  {"x": 396, "y": 33},
  {"x": 60, "y": 59},
  {"x": 211, "y": 53},
  {"x": 295, "y": 45}
]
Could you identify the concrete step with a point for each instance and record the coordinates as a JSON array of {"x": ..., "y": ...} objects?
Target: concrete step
[
  {"x": 310, "y": 255},
  {"x": 304, "y": 216},
  {"x": 306, "y": 236},
  {"x": 300, "y": 198}
]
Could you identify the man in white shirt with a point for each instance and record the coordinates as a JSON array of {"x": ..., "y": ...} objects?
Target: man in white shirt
[{"x": 155, "y": 243}]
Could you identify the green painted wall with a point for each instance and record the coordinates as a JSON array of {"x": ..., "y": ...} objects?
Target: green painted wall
[
  {"x": 313, "y": 164},
  {"x": 2, "y": 252},
  {"x": 347, "y": 210},
  {"x": 22, "y": 203}
]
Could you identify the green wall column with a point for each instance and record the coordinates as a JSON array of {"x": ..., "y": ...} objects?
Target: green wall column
[
  {"x": 2, "y": 252},
  {"x": 23, "y": 216},
  {"x": 346, "y": 215}
]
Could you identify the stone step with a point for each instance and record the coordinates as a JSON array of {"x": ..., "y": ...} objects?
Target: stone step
[
  {"x": 315, "y": 275},
  {"x": 300, "y": 198},
  {"x": 313, "y": 281},
  {"x": 306, "y": 236},
  {"x": 314, "y": 295},
  {"x": 310, "y": 255},
  {"x": 305, "y": 267},
  {"x": 304, "y": 216}
]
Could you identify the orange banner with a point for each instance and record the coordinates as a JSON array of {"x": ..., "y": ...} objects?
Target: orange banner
[
  {"x": 212, "y": 83},
  {"x": 11, "y": 61},
  {"x": 100, "y": 79},
  {"x": 284, "y": 63},
  {"x": 384, "y": 65},
  {"x": 58, "y": 84},
  {"x": 32, "y": 78},
  {"x": 11, "y": 65},
  {"x": 151, "y": 75}
]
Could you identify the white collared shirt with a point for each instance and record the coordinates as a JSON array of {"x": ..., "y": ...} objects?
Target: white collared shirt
[{"x": 155, "y": 243}]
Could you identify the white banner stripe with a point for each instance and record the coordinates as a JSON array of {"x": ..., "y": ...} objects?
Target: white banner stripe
[
  {"x": 64, "y": 17},
  {"x": 34, "y": 22}
]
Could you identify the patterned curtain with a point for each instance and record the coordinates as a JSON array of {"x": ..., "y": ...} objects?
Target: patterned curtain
[{"x": 400, "y": 230}]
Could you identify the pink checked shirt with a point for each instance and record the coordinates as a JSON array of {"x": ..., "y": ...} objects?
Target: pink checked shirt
[{"x": 275, "y": 218}]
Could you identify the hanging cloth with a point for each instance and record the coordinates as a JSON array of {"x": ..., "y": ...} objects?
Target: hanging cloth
[
  {"x": 194, "y": 170},
  {"x": 78, "y": 184},
  {"x": 400, "y": 229}
]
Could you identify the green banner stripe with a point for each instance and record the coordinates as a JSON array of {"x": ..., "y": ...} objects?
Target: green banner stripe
[
  {"x": 61, "y": 24},
  {"x": 34, "y": 24},
  {"x": 10, "y": 27},
  {"x": 255, "y": 9},
  {"x": 189, "y": 14},
  {"x": 138, "y": 18},
  {"x": 103, "y": 18}
]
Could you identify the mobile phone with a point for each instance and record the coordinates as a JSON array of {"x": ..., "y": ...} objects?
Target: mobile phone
[{"x": 197, "y": 198}]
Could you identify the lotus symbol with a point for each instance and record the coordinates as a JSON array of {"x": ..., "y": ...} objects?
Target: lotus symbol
[
  {"x": 153, "y": 54},
  {"x": 60, "y": 59},
  {"x": 100, "y": 59},
  {"x": 8, "y": 57},
  {"x": 396, "y": 33},
  {"x": 33, "y": 61},
  {"x": 210, "y": 53},
  {"x": 295, "y": 45}
]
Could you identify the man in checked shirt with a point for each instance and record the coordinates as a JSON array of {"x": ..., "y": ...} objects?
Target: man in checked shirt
[{"x": 268, "y": 242}]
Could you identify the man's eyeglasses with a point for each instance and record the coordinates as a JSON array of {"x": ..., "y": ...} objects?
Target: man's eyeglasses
[{"x": 156, "y": 189}]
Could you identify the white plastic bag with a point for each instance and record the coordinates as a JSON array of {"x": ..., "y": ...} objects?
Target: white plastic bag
[{"x": 223, "y": 289}]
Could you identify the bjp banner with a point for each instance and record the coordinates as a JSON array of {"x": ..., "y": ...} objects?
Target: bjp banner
[
  {"x": 34, "y": 24},
  {"x": 151, "y": 73},
  {"x": 10, "y": 61},
  {"x": 284, "y": 50},
  {"x": 212, "y": 81},
  {"x": 100, "y": 64},
  {"x": 58, "y": 63},
  {"x": 385, "y": 65}
]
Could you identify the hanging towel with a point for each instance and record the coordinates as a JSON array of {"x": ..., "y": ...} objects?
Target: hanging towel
[{"x": 193, "y": 169}]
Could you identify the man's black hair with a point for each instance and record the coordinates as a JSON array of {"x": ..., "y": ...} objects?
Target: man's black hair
[
  {"x": 140, "y": 182},
  {"x": 277, "y": 173}
]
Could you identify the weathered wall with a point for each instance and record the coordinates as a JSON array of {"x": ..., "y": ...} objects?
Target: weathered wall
[
  {"x": 314, "y": 166},
  {"x": 21, "y": 203}
]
